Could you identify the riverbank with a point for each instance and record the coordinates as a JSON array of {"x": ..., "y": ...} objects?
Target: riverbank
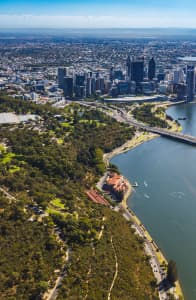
[
  {"x": 157, "y": 259},
  {"x": 157, "y": 256},
  {"x": 138, "y": 139},
  {"x": 149, "y": 243}
]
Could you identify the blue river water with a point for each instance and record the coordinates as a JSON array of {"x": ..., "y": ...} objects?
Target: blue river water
[{"x": 165, "y": 199}]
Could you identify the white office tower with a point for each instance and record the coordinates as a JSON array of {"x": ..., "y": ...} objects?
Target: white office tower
[
  {"x": 34, "y": 96},
  {"x": 169, "y": 76}
]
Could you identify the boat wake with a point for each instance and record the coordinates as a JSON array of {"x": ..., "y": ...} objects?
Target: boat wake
[
  {"x": 177, "y": 195},
  {"x": 146, "y": 196}
]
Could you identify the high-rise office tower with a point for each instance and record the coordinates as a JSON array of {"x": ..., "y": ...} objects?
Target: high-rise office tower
[
  {"x": 160, "y": 77},
  {"x": 80, "y": 86},
  {"x": 190, "y": 81},
  {"x": 88, "y": 86},
  {"x": 111, "y": 74},
  {"x": 80, "y": 80},
  {"x": 80, "y": 91},
  {"x": 62, "y": 73},
  {"x": 68, "y": 86},
  {"x": 180, "y": 90},
  {"x": 128, "y": 67},
  {"x": 178, "y": 76},
  {"x": 151, "y": 69},
  {"x": 93, "y": 86},
  {"x": 100, "y": 85},
  {"x": 137, "y": 70},
  {"x": 118, "y": 74}
]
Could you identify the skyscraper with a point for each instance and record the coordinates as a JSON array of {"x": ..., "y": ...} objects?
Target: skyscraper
[
  {"x": 88, "y": 86},
  {"x": 128, "y": 67},
  {"x": 190, "y": 81},
  {"x": 80, "y": 79},
  {"x": 80, "y": 86},
  {"x": 68, "y": 86},
  {"x": 111, "y": 74},
  {"x": 62, "y": 73},
  {"x": 137, "y": 70},
  {"x": 151, "y": 69},
  {"x": 93, "y": 86},
  {"x": 180, "y": 90}
]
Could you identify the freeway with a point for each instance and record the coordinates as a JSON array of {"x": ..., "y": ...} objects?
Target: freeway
[{"x": 122, "y": 116}]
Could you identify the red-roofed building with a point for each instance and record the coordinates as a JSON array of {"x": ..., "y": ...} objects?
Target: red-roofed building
[{"x": 116, "y": 184}]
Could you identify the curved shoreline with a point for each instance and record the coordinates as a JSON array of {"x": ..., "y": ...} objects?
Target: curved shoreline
[
  {"x": 137, "y": 140},
  {"x": 157, "y": 251}
]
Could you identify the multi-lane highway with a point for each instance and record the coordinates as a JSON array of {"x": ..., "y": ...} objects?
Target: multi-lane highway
[{"x": 123, "y": 116}]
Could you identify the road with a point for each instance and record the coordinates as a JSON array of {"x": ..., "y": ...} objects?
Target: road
[
  {"x": 101, "y": 182},
  {"x": 150, "y": 251},
  {"x": 122, "y": 116}
]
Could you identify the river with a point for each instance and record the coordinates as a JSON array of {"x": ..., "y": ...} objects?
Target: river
[{"x": 165, "y": 200}]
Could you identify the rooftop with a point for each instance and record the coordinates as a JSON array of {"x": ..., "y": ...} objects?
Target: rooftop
[
  {"x": 137, "y": 98},
  {"x": 191, "y": 59},
  {"x": 11, "y": 118}
]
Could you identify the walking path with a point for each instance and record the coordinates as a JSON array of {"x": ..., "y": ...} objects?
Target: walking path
[
  {"x": 116, "y": 271},
  {"x": 89, "y": 273},
  {"x": 52, "y": 294},
  {"x": 8, "y": 195}
]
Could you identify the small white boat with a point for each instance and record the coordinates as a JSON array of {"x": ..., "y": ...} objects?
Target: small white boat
[
  {"x": 146, "y": 196},
  {"x": 145, "y": 184}
]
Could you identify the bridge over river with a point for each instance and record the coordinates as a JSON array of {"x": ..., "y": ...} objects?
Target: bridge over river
[
  {"x": 188, "y": 139},
  {"x": 122, "y": 116}
]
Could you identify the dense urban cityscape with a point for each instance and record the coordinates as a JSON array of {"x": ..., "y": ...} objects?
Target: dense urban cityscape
[{"x": 50, "y": 71}]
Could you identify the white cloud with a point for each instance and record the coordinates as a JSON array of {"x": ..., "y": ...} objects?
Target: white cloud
[{"x": 136, "y": 19}]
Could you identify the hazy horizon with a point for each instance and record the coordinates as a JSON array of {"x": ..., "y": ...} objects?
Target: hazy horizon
[
  {"x": 97, "y": 14},
  {"x": 100, "y": 33}
]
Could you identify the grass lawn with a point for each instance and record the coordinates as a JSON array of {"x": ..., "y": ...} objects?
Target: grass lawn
[
  {"x": 57, "y": 202},
  {"x": 7, "y": 157},
  {"x": 98, "y": 124},
  {"x": 2, "y": 148},
  {"x": 60, "y": 141},
  {"x": 50, "y": 210},
  {"x": 66, "y": 125},
  {"x": 14, "y": 169}
]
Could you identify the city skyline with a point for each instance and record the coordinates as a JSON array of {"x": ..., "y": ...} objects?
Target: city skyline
[{"x": 104, "y": 14}]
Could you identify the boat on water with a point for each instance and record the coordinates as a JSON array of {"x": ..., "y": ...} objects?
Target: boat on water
[
  {"x": 146, "y": 196},
  {"x": 182, "y": 118},
  {"x": 135, "y": 184},
  {"x": 145, "y": 184}
]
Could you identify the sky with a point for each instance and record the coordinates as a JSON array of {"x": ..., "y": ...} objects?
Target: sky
[{"x": 97, "y": 13}]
